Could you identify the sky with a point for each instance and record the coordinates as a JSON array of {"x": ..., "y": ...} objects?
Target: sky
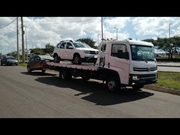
[{"x": 40, "y": 31}]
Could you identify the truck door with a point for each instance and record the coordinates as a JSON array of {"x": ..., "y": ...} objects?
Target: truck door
[{"x": 118, "y": 63}]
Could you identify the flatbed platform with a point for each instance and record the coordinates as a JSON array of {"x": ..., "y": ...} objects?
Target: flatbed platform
[{"x": 84, "y": 66}]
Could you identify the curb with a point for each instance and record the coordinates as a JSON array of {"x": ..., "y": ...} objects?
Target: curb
[
  {"x": 161, "y": 89},
  {"x": 168, "y": 65}
]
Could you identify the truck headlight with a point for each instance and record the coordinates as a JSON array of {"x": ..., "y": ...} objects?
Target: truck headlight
[{"x": 135, "y": 78}]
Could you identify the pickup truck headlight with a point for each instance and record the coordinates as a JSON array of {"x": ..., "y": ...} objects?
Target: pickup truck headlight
[{"x": 85, "y": 51}]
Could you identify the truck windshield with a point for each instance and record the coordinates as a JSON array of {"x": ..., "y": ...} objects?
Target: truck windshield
[{"x": 142, "y": 53}]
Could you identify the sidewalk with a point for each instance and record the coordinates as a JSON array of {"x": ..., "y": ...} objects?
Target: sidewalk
[{"x": 169, "y": 64}]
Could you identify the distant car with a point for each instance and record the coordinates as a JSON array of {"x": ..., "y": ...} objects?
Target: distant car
[
  {"x": 38, "y": 62},
  {"x": 77, "y": 52},
  {"x": 9, "y": 60}
]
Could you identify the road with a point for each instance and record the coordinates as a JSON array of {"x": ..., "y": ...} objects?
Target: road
[
  {"x": 171, "y": 69},
  {"x": 39, "y": 95}
]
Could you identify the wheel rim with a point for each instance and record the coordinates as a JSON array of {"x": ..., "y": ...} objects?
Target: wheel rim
[
  {"x": 76, "y": 59},
  {"x": 63, "y": 75},
  {"x": 111, "y": 85},
  {"x": 55, "y": 58}
]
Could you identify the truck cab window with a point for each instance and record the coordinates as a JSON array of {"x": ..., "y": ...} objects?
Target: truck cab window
[{"x": 116, "y": 47}]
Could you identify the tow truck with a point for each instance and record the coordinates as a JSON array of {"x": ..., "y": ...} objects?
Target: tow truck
[{"x": 120, "y": 63}]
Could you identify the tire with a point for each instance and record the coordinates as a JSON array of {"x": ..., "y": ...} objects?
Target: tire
[
  {"x": 64, "y": 75},
  {"x": 112, "y": 84},
  {"x": 29, "y": 69},
  {"x": 77, "y": 59},
  {"x": 56, "y": 59}
]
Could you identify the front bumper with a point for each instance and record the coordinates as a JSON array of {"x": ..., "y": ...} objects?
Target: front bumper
[
  {"x": 135, "y": 79},
  {"x": 12, "y": 63},
  {"x": 89, "y": 58}
]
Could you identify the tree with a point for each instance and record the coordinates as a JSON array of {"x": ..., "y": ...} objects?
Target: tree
[
  {"x": 49, "y": 48},
  {"x": 38, "y": 51},
  {"x": 88, "y": 41},
  {"x": 169, "y": 45}
]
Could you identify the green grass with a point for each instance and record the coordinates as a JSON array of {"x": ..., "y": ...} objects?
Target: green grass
[
  {"x": 168, "y": 79},
  {"x": 22, "y": 64}
]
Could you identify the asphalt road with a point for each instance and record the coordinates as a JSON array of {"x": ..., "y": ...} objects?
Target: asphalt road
[
  {"x": 170, "y": 69},
  {"x": 39, "y": 95}
]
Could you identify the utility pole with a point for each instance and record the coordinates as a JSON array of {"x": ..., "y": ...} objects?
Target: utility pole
[
  {"x": 17, "y": 41},
  {"x": 26, "y": 43},
  {"x": 169, "y": 29},
  {"x": 23, "y": 60},
  {"x": 102, "y": 27},
  {"x": 116, "y": 33},
  {"x": 98, "y": 39}
]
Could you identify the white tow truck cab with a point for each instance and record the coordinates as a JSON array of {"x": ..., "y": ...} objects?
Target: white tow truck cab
[
  {"x": 120, "y": 63},
  {"x": 131, "y": 62}
]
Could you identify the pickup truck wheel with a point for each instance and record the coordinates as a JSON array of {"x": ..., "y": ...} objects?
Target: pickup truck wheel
[
  {"x": 112, "y": 84},
  {"x": 77, "y": 59},
  {"x": 56, "y": 59}
]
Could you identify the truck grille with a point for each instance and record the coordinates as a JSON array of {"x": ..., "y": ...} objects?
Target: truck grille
[
  {"x": 93, "y": 52},
  {"x": 145, "y": 69}
]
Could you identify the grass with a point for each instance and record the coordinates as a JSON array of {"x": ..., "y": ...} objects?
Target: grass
[
  {"x": 22, "y": 64},
  {"x": 168, "y": 79}
]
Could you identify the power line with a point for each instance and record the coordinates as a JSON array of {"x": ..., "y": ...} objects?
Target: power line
[{"x": 7, "y": 24}]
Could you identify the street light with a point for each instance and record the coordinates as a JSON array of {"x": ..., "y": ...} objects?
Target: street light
[{"x": 116, "y": 33}]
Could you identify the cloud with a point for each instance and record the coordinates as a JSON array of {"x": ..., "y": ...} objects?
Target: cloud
[{"x": 43, "y": 30}]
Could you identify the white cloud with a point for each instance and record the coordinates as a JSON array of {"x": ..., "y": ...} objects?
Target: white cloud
[
  {"x": 158, "y": 26},
  {"x": 44, "y": 30}
]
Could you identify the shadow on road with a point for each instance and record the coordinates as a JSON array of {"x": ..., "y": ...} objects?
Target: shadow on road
[
  {"x": 95, "y": 91},
  {"x": 38, "y": 73}
]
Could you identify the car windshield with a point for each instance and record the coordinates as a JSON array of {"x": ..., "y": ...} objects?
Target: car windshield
[
  {"x": 81, "y": 45},
  {"x": 142, "y": 53}
]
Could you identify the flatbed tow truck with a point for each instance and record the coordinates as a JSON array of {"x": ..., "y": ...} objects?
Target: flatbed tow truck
[{"x": 120, "y": 63}]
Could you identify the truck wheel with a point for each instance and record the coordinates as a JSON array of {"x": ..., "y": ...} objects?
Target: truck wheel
[
  {"x": 56, "y": 59},
  {"x": 64, "y": 75},
  {"x": 112, "y": 84},
  {"x": 77, "y": 59}
]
